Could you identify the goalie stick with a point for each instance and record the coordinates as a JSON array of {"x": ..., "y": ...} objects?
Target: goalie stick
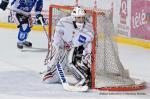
[
  {"x": 63, "y": 79},
  {"x": 64, "y": 82}
]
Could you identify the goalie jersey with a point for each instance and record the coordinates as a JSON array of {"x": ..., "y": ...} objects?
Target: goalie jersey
[{"x": 67, "y": 31}]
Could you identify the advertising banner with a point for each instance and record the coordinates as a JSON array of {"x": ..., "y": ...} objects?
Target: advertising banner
[
  {"x": 122, "y": 10},
  {"x": 138, "y": 17}
]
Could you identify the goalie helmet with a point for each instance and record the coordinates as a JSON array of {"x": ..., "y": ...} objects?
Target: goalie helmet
[{"x": 78, "y": 14}]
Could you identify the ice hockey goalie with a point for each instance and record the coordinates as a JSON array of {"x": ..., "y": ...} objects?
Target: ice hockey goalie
[{"x": 73, "y": 34}]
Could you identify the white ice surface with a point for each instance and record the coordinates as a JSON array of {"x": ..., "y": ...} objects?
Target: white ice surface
[{"x": 20, "y": 79}]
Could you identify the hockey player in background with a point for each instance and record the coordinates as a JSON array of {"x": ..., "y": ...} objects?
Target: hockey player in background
[
  {"x": 20, "y": 10},
  {"x": 75, "y": 34}
]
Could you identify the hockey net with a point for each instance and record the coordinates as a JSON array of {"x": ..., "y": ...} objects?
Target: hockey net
[{"x": 107, "y": 71}]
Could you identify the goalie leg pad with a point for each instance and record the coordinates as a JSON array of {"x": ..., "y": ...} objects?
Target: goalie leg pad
[
  {"x": 78, "y": 75},
  {"x": 80, "y": 72},
  {"x": 51, "y": 77},
  {"x": 55, "y": 55},
  {"x": 79, "y": 65}
]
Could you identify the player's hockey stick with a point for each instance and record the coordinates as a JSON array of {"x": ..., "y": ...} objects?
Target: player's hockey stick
[
  {"x": 64, "y": 82},
  {"x": 18, "y": 11},
  {"x": 44, "y": 28}
]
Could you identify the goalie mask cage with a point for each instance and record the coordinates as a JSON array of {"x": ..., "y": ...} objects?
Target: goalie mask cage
[{"x": 107, "y": 71}]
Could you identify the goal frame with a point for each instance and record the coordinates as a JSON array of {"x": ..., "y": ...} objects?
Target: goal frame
[{"x": 94, "y": 13}]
